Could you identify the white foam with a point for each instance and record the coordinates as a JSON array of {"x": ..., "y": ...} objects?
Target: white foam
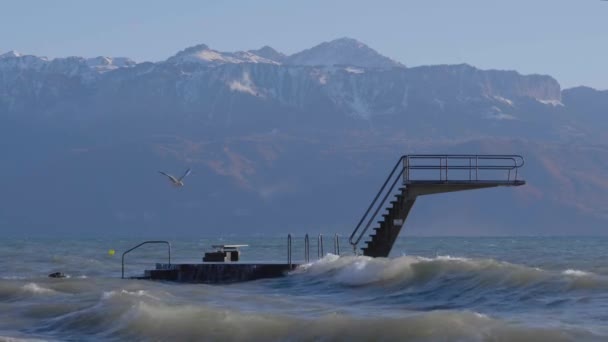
[
  {"x": 18, "y": 339},
  {"x": 37, "y": 289},
  {"x": 576, "y": 273},
  {"x": 138, "y": 293},
  {"x": 361, "y": 270},
  {"x": 447, "y": 257}
]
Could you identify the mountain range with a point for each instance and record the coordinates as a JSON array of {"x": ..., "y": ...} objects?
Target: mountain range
[{"x": 285, "y": 143}]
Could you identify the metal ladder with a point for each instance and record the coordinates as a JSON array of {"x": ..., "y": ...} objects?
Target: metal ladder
[{"x": 320, "y": 250}]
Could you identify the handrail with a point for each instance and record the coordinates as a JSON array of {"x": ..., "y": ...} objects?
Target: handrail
[
  {"x": 446, "y": 162},
  {"x": 141, "y": 244},
  {"x": 476, "y": 162}
]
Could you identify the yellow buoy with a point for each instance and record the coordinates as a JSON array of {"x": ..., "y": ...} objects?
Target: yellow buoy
[{"x": 111, "y": 252}]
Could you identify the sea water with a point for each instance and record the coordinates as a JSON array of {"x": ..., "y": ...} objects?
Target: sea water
[{"x": 430, "y": 289}]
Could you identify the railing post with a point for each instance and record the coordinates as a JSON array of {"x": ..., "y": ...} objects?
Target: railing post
[
  {"x": 336, "y": 244},
  {"x": 289, "y": 250},
  {"x": 408, "y": 168},
  {"x": 320, "y": 246},
  {"x": 470, "y": 169},
  {"x": 446, "y": 168},
  {"x": 477, "y": 168},
  {"x": 306, "y": 248}
]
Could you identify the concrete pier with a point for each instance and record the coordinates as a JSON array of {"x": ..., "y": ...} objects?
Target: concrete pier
[{"x": 217, "y": 273}]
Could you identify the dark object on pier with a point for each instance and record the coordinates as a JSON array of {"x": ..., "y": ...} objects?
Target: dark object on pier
[
  {"x": 223, "y": 253},
  {"x": 56, "y": 275}
]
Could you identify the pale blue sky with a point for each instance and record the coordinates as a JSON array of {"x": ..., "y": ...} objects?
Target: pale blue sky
[{"x": 567, "y": 39}]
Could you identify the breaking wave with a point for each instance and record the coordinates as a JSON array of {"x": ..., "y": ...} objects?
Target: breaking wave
[
  {"x": 138, "y": 315},
  {"x": 356, "y": 271},
  {"x": 408, "y": 298},
  {"x": 36, "y": 289},
  {"x": 447, "y": 283}
]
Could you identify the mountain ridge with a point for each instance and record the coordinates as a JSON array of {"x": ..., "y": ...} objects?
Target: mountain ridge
[{"x": 278, "y": 135}]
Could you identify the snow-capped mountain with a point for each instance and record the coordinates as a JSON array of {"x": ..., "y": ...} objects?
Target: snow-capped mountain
[
  {"x": 202, "y": 54},
  {"x": 102, "y": 64},
  {"x": 359, "y": 84},
  {"x": 270, "y": 53},
  {"x": 343, "y": 51},
  {"x": 74, "y": 66},
  {"x": 264, "y": 127},
  {"x": 10, "y": 54}
]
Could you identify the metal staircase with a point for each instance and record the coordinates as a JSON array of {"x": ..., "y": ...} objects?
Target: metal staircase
[{"x": 424, "y": 175}]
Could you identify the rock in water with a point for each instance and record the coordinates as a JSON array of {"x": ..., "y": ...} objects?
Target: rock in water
[{"x": 57, "y": 275}]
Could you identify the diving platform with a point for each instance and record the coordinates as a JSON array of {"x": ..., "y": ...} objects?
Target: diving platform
[
  {"x": 412, "y": 176},
  {"x": 427, "y": 174}
]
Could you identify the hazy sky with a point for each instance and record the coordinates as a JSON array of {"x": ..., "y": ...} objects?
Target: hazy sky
[{"x": 567, "y": 39}]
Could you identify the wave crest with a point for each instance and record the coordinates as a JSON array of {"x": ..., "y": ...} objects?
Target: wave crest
[{"x": 415, "y": 270}]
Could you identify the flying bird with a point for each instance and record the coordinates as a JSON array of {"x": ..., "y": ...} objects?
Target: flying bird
[{"x": 176, "y": 181}]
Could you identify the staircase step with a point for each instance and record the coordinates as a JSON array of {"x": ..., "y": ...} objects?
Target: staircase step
[{"x": 383, "y": 235}]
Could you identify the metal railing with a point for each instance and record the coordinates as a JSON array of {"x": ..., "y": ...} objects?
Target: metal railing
[
  {"x": 141, "y": 244},
  {"x": 464, "y": 167},
  {"x": 422, "y": 167},
  {"x": 320, "y": 247}
]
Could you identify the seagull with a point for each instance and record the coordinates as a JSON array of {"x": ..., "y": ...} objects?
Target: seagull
[{"x": 176, "y": 181}]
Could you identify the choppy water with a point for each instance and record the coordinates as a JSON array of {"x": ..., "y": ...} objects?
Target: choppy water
[{"x": 431, "y": 289}]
